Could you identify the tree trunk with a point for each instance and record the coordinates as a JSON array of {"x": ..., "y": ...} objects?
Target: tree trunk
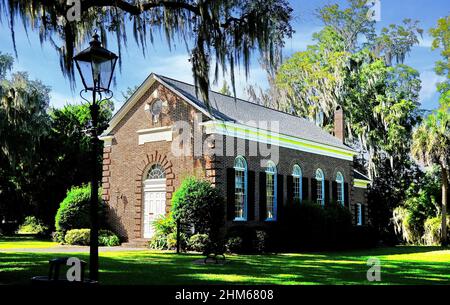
[{"x": 444, "y": 241}]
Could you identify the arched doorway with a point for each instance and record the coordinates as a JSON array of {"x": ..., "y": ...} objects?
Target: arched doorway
[{"x": 154, "y": 198}]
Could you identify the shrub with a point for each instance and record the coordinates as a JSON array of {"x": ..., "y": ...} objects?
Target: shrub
[
  {"x": 198, "y": 242},
  {"x": 74, "y": 210},
  {"x": 165, "y": 237},
  {"x": 432, "y": 235},
  {"x": 234, "y": 245},
  {"x": 405, "y": 226},
  {"x": 197, "y": 203},
  {"x": 78, "y": 237},
  {"x": 247, "y": 237},
  {"x": 315, "y": 227},
  {"x": 82, "y": 237},
  {"x": 260, "y": 242},
  {"x": 32, "y": 225}
]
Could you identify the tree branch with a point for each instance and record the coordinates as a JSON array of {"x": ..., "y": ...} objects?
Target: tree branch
[{"x": 138, "y": 9}]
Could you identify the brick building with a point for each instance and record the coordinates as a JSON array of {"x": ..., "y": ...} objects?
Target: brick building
[{"x": 262, "y": 159}]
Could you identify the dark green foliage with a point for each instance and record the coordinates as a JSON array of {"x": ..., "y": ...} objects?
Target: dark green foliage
[
  {"x": 198, "y": 204},
  {"x": 74, "y": 210},
  {"x": 235, "y": 244},
  {"x": 260, "y": 242}
]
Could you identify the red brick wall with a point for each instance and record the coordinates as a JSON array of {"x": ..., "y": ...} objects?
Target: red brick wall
[{"x": 126, "y": 163}]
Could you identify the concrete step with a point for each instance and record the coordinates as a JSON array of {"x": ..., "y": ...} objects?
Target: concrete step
[{"x": 137, "y": 243}]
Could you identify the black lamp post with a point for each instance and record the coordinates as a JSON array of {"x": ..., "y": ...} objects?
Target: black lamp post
[{"x": 96, "y": 66}]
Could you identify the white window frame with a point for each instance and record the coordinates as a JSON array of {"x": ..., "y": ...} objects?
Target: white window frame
[
  {"x": 340, "y": 188},
  {"x": 359, "y": 214},
  {"x": 297, "y": 176},
  {"x": 271, "y": 170},
  {"x": 240, "y": 166},
  {"x": 320, "y": 178}
]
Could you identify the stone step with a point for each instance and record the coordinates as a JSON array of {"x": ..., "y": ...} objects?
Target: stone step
[{"x": 137, "y": 243}]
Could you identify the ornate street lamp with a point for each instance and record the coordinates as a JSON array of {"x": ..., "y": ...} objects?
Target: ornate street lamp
[{"x": 96, "y": 66}]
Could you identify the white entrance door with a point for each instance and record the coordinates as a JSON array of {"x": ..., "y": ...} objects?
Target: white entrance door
[{"x": 154, "y": 203}]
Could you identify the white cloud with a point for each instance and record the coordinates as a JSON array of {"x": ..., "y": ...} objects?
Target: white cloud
[
  {"x": 425, "y": 42},
  {"x": 429, "y": 81}
]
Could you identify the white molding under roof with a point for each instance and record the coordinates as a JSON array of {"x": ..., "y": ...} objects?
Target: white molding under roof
[
  {"x": 275, "y": 138},
  {"x": 154, "y": 134},
  {"x": 107, "y": 140},
  {"x": 360, "y": 183},
  {"x": 136, "y": 96}
]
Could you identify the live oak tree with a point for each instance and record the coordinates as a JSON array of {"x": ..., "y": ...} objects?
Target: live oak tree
[
  {"x": 441, "y": 40},
  {"x": 23, "y": 124},
  {"x": 223, "y": 33}
]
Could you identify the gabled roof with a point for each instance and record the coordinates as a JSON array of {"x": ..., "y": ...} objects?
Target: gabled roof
[{"x": 229, "y": 109}]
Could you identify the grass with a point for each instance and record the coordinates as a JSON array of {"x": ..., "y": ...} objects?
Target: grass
[
  {"x": 399, "y": 265},
  {"x": 25, "y": 242}
]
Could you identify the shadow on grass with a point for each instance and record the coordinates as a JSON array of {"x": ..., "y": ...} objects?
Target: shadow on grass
[{"x": 146, "y": 267}]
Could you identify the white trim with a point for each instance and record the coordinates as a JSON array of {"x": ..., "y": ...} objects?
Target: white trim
[
  {"x": 154, "y": 134},
  {"x": 107, "y": 140},
  {"x": 322, "y": 183},
  {"x": 360, "y": 183},
  {"x": 275, "y": 138}
]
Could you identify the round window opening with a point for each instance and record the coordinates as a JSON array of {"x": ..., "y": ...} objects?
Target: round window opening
[{"x": 156, "y": 172}]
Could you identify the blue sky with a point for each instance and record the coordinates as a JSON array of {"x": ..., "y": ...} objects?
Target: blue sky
[{"x": 42, "y": 62}]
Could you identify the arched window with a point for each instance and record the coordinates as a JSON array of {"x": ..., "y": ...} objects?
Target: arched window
[
  {"x": 340, "y": 188},
  {"x": 240, "y": 188},
  {"x": 156, "y": 172},
  {"x": 271, "y": 191},
  {"x": 320, "y": 186},
  {"x": 297, "y": 182}
]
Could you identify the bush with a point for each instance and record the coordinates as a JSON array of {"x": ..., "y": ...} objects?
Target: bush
[
  {"x": 247, "y": 236},
  {"x": 234, "y": 245},
  {"x": 260, "y": 242},
  {"x": 82, "y": 237},
  {"x": 432, "y": 235},
  {"x": 198, "y": 242},
  {"x": 315, "y": 227},
  {"x": 74, "y": 210},
  {"x": 198, "y": 204},
  {"x": 405, "y": 227},
  {"x": 78, "y": 237},
  {"x": 165, "y": 237},
  {"x": 32, "y": 225}
]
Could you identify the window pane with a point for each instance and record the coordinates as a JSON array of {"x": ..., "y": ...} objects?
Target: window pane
[
  {"x": 240, "y": 194},
  {"x": 270, "y": 193}
]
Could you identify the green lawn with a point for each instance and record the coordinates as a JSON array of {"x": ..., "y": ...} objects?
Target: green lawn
[
  {"x": 24, "y": 242},
  {"x": 399, "y": 265}
]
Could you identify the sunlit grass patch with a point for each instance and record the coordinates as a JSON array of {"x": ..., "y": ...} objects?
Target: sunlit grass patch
[{"x": 24, "y": 242}]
